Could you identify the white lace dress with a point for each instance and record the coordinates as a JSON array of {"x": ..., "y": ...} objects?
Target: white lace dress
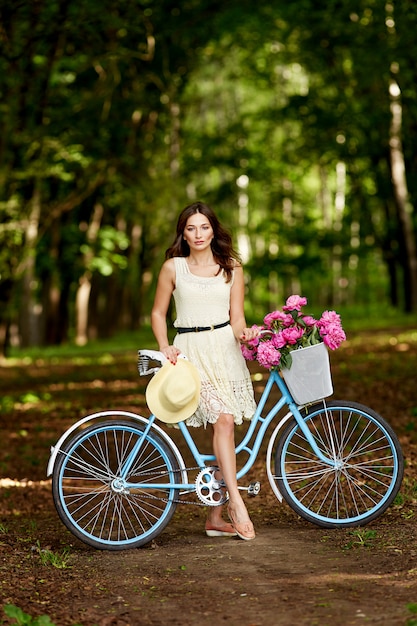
[{"x": 226, "y": 386}]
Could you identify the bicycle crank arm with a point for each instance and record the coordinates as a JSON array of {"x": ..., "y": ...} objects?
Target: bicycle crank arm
[{"x": 253, "y": 489}]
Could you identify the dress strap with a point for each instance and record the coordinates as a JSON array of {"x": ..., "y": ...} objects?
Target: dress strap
[{"x": 181, "y": 266}]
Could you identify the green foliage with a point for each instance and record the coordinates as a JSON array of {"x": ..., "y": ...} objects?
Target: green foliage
[
  {"x": 361, "y": 539},
  {"x": 114, "y": 116},
  {"x": 107, "y": 256},
  {"x": 23, "y": 619},
  {"x": 412, "y": 608},
  {"x": 48, "y": 557}
]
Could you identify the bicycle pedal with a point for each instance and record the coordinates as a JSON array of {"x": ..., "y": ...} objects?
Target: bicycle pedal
[{"x": 254, "y": 488}]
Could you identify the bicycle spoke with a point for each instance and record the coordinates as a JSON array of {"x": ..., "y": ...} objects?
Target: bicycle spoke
[
  {"x": 365, "y": 475},
  {"x": 98, "y": 502}
]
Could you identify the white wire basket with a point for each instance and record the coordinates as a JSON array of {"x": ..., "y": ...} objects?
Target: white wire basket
[{"x": 309, "y": 379}]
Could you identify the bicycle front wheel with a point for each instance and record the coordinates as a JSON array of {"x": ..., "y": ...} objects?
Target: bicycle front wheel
[
  {"x": 366, "y": 471},
  {"x": 101, "y": 505}
]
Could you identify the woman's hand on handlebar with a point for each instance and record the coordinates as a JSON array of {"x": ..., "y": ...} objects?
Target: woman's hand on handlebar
[
  {"x": 248, "y": 334},
  {"x": 171, "y": 353}
]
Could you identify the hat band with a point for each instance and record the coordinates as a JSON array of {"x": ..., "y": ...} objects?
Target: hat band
[{"x": 199, "y": 329}]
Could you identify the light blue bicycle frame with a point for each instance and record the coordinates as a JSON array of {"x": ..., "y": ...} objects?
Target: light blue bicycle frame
[{"x": 243, "y": 446}]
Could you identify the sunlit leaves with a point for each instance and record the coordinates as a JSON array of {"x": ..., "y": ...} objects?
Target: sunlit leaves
[{"x": 107, "y": 253}]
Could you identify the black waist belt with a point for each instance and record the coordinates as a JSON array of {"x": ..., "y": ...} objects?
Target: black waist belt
[{"x": 200, "y": 329}]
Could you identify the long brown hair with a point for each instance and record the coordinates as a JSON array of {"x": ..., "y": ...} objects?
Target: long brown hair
[{"x": 222, "y": 247}]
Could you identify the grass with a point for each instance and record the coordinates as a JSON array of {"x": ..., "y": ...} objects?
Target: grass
[
  {"x": 48, "y": 557},
  {"x": 361, "y": 539},
  {"x": 355, "y": 319},
  {"x": 103, "y": 349},
  {"x": 376, "y": 317}
]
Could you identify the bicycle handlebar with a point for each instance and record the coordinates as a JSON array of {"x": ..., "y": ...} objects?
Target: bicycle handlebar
[
  {"x": 267, "y": 331},
  {"x": 151, "y": 361}
]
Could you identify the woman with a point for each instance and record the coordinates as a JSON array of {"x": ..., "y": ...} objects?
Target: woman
[{"x": 203, "y": 273}]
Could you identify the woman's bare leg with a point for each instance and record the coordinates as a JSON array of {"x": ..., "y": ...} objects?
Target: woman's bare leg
[{"x": 224, "y": 450}]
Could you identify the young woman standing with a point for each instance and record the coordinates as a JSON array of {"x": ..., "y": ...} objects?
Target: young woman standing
[{"x": 203, "y": 273}]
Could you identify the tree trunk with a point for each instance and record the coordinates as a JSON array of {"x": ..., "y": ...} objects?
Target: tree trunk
[
  {"x": 84, "y": 288},
  {"x": 81, "y": 307},
  {"x": 403, "y": 204},
  {"x": 29, "y": 312}
]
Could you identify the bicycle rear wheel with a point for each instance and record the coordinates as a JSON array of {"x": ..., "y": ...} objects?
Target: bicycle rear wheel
[
  {"x": 97, "y": 503},
  {"x": 369, "y": 467}
]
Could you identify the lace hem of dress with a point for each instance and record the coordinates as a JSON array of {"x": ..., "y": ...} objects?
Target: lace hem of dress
[{"x": 240, "y": 404}]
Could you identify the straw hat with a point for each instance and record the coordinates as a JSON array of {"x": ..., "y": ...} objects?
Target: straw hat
[{"x": 173, "y": 393}]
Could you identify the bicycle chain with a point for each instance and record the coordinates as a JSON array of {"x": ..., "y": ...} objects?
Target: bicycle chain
[
  {"x": 203, "y": 500},
  {"x": 175, "y": 501}
]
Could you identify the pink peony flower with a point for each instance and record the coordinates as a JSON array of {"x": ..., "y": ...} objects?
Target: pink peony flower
[
  {"x": 279, "y": 340},
  {"x": 333, "y": 336},
  {"x": 250, "y": 355},
  {"x": 294, "y": 303},
  {"x": 289, "y": 330},
  {"x": 308, "y": 320},
  {"x": 329, "y": 317},
  {"x": 287, "y": 320},
  {"x": 278, "y": 316},
  {"x": 292, "y": 335},
  {"x": 253, "y": 343},
  {"x": 331, "y": 330},
  {"x": 268, "y": 356}
]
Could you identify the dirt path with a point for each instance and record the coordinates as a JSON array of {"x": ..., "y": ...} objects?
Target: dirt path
[
  {"x": 293, "y": 573},
  {"x": 285, "y": 577}
]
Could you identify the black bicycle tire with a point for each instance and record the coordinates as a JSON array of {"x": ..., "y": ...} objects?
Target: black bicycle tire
[
  {"x": 153, "y": 439},
  {"x": 293, "y": 500}
]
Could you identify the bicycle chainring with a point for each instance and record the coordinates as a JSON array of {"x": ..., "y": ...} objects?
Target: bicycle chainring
[{"x": 210, "y": 489}]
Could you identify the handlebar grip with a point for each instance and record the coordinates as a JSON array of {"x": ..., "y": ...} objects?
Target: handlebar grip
[{"x": 151, "y": 361}]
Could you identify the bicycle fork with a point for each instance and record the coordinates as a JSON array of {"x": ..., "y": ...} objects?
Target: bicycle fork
[{"x": 333, "y": 462}]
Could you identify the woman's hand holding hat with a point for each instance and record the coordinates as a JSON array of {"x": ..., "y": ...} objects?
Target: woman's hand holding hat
[{"x": 173, "y": 393}]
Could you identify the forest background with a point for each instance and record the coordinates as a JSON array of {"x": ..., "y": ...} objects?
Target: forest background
[{"x": 296, "y": 121}]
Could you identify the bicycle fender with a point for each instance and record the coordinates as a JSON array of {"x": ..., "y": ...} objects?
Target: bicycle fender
[
  {"x": 271, "y": 442},
  {"x": 133, "y": 416}
]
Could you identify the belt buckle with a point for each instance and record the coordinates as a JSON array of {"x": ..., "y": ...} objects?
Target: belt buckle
[
  {"x": 197, "y": 329},
  {"x": 212, "y": 327}
]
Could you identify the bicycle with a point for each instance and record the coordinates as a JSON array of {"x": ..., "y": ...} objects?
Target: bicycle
[{"x": 117, "y": 482}]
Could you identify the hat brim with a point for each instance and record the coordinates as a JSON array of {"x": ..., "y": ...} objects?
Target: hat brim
[{"x": 181, "y": 368}]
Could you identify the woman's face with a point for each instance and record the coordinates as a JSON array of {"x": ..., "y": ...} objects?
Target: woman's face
[{"x": 198, "y": 232}]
